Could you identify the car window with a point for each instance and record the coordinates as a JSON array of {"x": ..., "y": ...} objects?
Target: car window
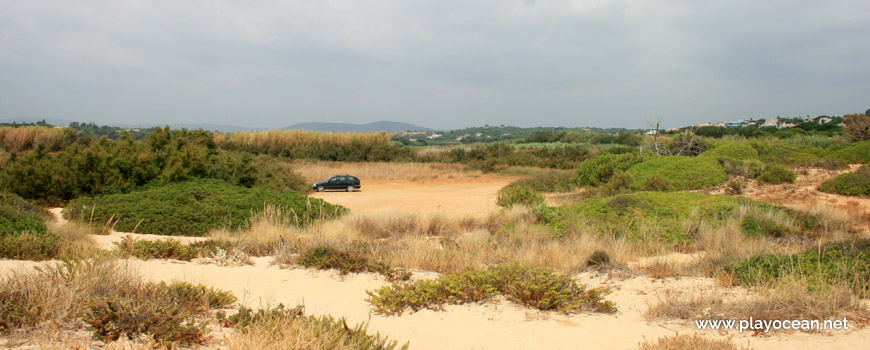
[
  {"x": 333, "y": 179},
  {"x": 343, "y": 178}
]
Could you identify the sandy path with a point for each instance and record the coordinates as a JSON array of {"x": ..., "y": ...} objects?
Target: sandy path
[
  {"x": 461, "y": 194},
  {"x": 108, "y": 241}
]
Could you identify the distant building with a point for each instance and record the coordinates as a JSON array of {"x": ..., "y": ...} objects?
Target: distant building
[
  {"x": 771, "y": 123},
  {"x": 433, "y": 136},
  {"x": 824, "y": 120},
  {"x": 786, "y": 125},
  {"x": 737, "y": 124}
]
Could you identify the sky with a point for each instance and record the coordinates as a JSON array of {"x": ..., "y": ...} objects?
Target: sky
[{"x": 440, "y": 64}]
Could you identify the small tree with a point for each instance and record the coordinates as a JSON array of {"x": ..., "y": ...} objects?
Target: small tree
[{"x": 857, "y": 127}]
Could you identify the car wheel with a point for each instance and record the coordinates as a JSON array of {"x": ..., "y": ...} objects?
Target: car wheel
[
  {"x": 350, "y": 188},
  {"x": 321, "y": 188}
]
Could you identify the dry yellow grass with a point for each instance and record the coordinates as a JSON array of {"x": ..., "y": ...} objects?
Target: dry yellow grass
[
  {"x": 283, "y": 139},
  {"x": 440, "y": 241},
  {"x": 319, "y": 170},
  {"x": 27, "y": 137},
  {"x": 690, "y": 342}
]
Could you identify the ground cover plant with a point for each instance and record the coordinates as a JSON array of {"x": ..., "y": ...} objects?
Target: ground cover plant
[
  {"x": 856, "y": 183},
  {"x": 535, "y": 287},
  {"x": 512, "y": 195},
  {"x": 289, "y": 328},
  {"x": 844, "y": 263},
  {"x": 175, "y": 249},
  {"x": 23, "y": 233},
  {"x": 108, "y": 300},
  {"x": 675, "y": 217},
  {"x": 325, "y": 258},
  {"x": 598, "y": 170},
  {"x": 694, "y": 342},
  {"x": 192, "y": 208},
  {"x": 676, "y": 173},
  {"x": 777, "y": 174}
]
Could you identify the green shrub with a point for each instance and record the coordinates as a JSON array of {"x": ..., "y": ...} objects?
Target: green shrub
[
  {"x": 681, "y": 173},
  {"x": 193, "y": 208},
  {"x": 519, "y": 195},
  {"x": 850, "y": 184},
  {"x": 761, "y": 226},
  {"x": 539, "y": 288},
  {"x": 853, "y": 153},
  {"x": 829, "y": 163},
  {"x": 789, "y": 154},
  {"x": 547, "y": 181},
  {"x": 735, "y": 187},
  {"x": 97, "y": 166},
  {"x": 599, "y": 170},
  {"x": 23, "y": 234},
  {"x": 674, "y": 217},
  {"x": 843, "y": 263},
  {"x": 169, "y": 248},
  {"x": 777, "y": 174},
  {"x": 734, "y": 150},
  {"x": 326, "y": 258}
]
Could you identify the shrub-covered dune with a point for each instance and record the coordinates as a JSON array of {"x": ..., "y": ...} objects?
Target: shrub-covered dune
[
  {"x": 850, "y": 184},
  {"x": 674, "y": 217},
  {"x": 677, "y": 173},
  {"x": 192, "y": 208}
]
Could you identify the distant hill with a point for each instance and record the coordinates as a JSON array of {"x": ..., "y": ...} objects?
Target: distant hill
[{"x": 383, "y": 125}]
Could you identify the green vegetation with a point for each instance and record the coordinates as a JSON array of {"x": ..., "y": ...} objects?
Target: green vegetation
[
  {"x": 547, "y": 181},
  {"x": 96, "y": 166},
  {"x": 599, "y": 170},
  {"x": 677, "y": 173},
  {"x": 539, "y": 288},
  {"x": 326, "y": 258},
  {"x": 170, "y": 248},
  {"x": 674, "y": 217},
  {"x": 853, "y": 153},
  {"x": 850, "y": 184},
  {"x": 733, "y": 150},
  {"x": 283, "y": 328},
  {"x": 511, "y": 195},
  {"x": 842, "y": 263},
  {"x": 777, "y": 174},
  {"x": 192, "y": 208},
  {"x": 23, "y": 234}
]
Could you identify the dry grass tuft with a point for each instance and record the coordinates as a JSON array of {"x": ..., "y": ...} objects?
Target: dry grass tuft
[{"x": 692, "y": 342}]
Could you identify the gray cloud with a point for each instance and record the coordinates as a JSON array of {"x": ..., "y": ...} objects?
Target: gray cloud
[{"x": 442, "y": 64}]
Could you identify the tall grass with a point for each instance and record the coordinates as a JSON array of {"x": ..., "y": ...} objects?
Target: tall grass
[
  {"x": 26, "y": 138},
  {"x": 302, "y": 144}
]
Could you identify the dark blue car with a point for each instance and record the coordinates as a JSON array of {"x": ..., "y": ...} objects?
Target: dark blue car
[{"x": 338, "y": 182}]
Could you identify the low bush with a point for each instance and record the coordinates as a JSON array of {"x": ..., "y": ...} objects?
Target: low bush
[
  {"x": 599, "y": 170},
  {"x": 283, "y": 328},
  {"x": 845, "y": 263},
  {"x": 539, "y": 288},
  {"x": 733, "y": 150},
  {"x": 679, "y": 173},
  {"x": 735, "y": 187},
  {"x": 510, "y": 196},
  {"x": 23, "y": 233},
  {"x": 165, "y": 313},
  {"x": 547, "y": 181},
  {"x": 777, "y": 174},
  {"x": 193, "y": 208},
  {"x": 850, "y": 184},
  {"x": 853, "y": 153},
  {"x": 326, "y": 258},
  {"x": 169, "y": 248},
  {"x": 675, "y": 217}
]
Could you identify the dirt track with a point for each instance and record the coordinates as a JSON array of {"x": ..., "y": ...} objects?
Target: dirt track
[{"x": 460, "y": 194}]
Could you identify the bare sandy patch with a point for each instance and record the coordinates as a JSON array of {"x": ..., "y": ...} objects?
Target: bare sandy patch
[{"x": 458, "y": 194}]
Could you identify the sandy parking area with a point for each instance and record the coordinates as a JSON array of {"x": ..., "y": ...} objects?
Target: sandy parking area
[{"x": 456, "y": 194}]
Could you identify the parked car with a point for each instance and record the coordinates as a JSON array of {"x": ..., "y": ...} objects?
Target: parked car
[{"x": 338, "y": 182}]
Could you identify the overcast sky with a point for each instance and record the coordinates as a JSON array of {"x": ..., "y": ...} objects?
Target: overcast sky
[{"x": 442, "y": 64}]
